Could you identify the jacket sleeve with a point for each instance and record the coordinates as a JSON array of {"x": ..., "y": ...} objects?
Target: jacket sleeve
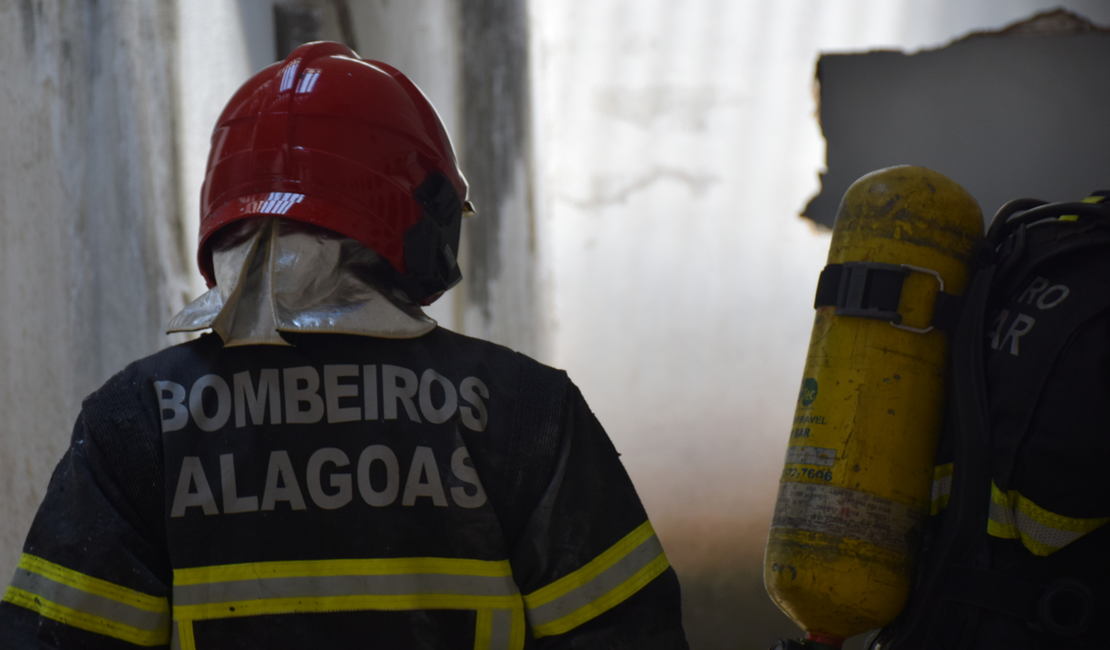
[
  {"x": 92, "y": 574},
  {"x": 589, "y": 564}
]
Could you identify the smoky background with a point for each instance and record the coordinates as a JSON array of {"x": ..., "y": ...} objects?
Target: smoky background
[{"x": 638, "y": 169}]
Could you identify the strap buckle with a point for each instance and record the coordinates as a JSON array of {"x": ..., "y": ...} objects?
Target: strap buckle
[
  {"x": 940, "y": 290},
  {"x": 871, "y": 290}
]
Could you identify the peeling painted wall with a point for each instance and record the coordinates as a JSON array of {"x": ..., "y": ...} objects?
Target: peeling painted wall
[
  {"x": 501, "y": 301},
  {"x": 421, "y": 38},
  {"x": 1005, "y": 115},
  {"x": 219, "y": 44},
  {"x": 89, "y": 249}
]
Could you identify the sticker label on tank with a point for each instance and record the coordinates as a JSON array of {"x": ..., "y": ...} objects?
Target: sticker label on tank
[
  {"x": 850, "y": 514},
  {"x": 825, "y": 414},
  {"x": 811, "y": 456}
]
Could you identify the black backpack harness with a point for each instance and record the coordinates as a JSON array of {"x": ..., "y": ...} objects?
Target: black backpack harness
[{"x": 1061, "y": 597}]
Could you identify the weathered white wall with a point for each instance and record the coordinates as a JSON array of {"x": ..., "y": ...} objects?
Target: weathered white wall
[
  {"x": 215, "y": 43},
  {"x": 503, "y": 299},
  {"x": 90, "y": 264},
  {"x": 421, "y": 39},
  {"x": 470, "y": 59},
  {"x": 676, "y": 144}
]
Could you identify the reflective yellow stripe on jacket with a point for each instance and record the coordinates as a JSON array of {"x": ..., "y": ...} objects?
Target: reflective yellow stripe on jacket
[
  {"x": 942, "y": 487},
  {"x": 88, "y": 603},
  {"x": 1013, "y": 516},
  {"x": 608, "y": 580},
  {"x": 263, "y": 588}
]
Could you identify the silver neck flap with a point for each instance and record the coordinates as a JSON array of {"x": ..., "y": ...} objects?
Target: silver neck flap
[{"x": 275, "y": 275}]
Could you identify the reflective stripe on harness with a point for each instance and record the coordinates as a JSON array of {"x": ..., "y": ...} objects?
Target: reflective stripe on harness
[
  {"x": 91, "y": 604},
  {"x": 608, "y": 580},
  {"x": 942, "y": 488},
  {"x": 1013, "y": 516},
  {"x": 264, "y": 588}
]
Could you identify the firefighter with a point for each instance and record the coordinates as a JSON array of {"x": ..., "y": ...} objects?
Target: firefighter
[
  {"x": 1015, "y": 556},
  {"x": 328, "y": 468}
]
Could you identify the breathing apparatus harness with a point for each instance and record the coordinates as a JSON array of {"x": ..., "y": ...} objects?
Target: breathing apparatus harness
[{"x": 1060, "y": 596}]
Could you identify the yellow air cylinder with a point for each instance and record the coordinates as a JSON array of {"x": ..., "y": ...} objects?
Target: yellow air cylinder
[{"x": 855, "y": 491}]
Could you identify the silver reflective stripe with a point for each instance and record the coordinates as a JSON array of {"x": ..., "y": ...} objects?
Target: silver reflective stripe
[
  {"x": 823, "y": 456},
  {"x": 325, "y": 586},
  {"x": 84, "y": 602},
  {"x": 501, "y": 631},
  {"x": 942, "y": 487},
  {"x": 175, "y": 639},
  {"x": 1046, "y": 535},
  {"x": 1002, "y": 514},
  {"x": 603, "y": 583}
]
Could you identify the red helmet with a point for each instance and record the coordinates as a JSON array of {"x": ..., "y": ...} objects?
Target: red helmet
[{"x": 346, "y": 144}]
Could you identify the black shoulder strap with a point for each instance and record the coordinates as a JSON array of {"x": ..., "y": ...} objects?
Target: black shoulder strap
[
  {"x": 969, "y": 503},
  {"x": 114, "y": 417},
  {"x": 537, "y": 435}
]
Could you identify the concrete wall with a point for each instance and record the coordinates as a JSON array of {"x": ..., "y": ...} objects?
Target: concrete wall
[
  {"x": 421, "y": 38},
  {"x": 90, "y": 253},
  {"x": 501, "y": 299},
  {"x": 219, "y": 45},
  {"x": 472, "y": 60},
  {"x": 940, "y": 109}
]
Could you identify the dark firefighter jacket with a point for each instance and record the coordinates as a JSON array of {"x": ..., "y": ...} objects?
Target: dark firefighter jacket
[
  {"x": 439, "y": 492},
  {"x": 1015, "y": 557}
]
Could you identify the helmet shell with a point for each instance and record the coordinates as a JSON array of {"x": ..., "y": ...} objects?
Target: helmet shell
[{"x": 343, "y": 143}]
